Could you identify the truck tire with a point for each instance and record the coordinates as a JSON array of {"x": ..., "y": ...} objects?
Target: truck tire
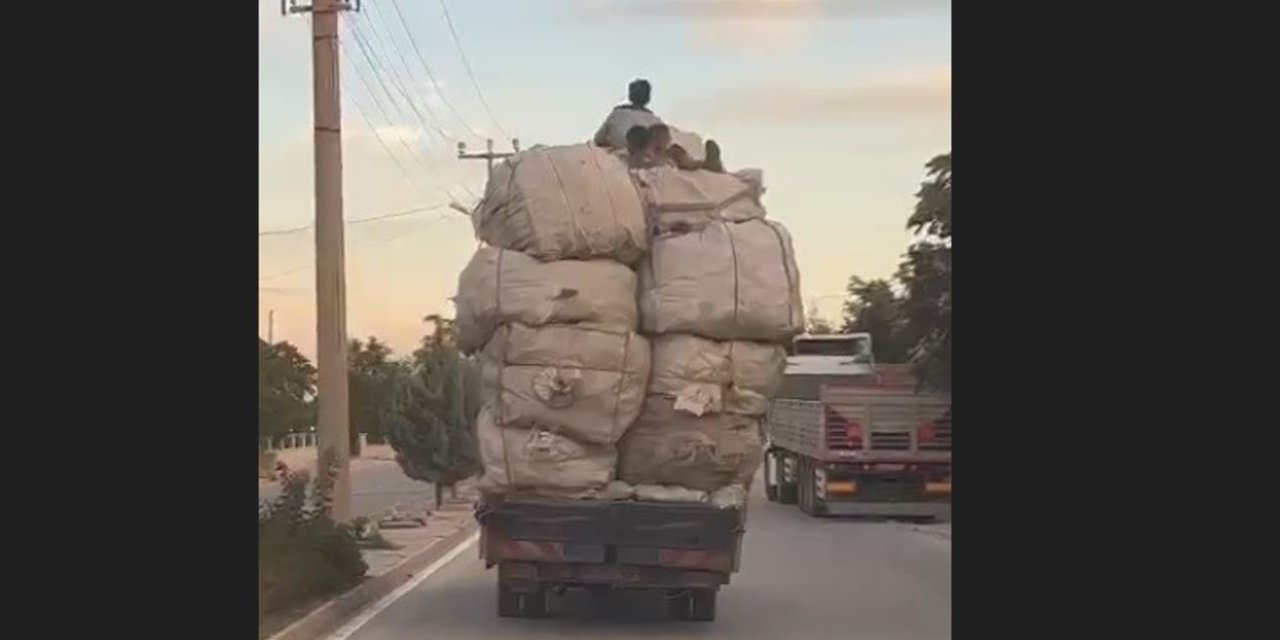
[
  {"x": 702, "y": 605},
  {"x": 514, "y": 604},
  {"x": 809, "y": 502},
  {"x": 508, "y": 602},
  {"x": 770, "y": 470},
  {"x": 788, "y": 492}
]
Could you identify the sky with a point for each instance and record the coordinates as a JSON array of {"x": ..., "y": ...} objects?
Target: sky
[{"x": 839, "y": 102}]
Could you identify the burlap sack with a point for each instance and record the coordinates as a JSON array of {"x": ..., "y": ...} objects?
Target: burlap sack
[
  {"x": 668, "y": 493},
  {"x": 671, "y": 447},
  {"x": 535, "y": 461},
  {"x": 566, "y": 202},
  {"x": 508, "y": 286},
  {"x": 684, "y": 201},
  {"x": 728, "y": 281},
  {"x": 584, "y": 382},
  {"x": 709, "y": 376}
]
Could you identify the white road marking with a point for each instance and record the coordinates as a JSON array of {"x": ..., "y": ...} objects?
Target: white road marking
[{"x": 349, "y": 629}]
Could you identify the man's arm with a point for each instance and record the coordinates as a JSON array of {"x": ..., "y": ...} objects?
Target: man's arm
[{"x": 602, "y": 136}]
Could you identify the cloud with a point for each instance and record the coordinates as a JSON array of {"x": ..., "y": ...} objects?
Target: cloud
[
  {"x": 746, "y": 9},
  {"x": 400, "y": 133},
  {"x": 756, "y": 25},
  {"x": 887, "y": 97}
]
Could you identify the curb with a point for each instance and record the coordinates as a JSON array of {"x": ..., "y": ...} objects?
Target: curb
[
  {"x": 331, "y": 615},
  {"x": 932, "y": 533}
]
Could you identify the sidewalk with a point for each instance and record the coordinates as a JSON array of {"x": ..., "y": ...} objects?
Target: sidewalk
[{"x": 446, "y": 528}]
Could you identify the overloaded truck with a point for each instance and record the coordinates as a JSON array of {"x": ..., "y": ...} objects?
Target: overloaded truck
[
  {"x": 541, "y": 546},
  {"x": 629, "y": 327},
  {"x": 849, "y": 437}
]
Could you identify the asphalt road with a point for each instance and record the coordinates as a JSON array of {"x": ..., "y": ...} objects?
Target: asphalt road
[
  {"x": 800, "y": 578},
  {"x": 376, "y": 486}
]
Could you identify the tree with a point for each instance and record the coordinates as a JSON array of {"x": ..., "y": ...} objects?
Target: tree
[
  {"x": 430, "y": 420},
  {"x": 372, "y": 378},
  {"x": 286, "y": 390},
  {"x": 872, "y": 307},
  {"x": 819, "y": 326},
  {"x": 925, "y": 273}
]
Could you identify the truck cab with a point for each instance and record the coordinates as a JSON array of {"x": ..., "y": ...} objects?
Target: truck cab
[{"x": 852, "y": 437}]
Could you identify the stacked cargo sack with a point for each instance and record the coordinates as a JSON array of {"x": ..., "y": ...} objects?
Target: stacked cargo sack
[
  {"x": 549, "y": 307},
  {"x": 719, "y": 296}
]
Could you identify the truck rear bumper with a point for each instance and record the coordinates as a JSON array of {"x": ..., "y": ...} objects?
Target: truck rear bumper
[
  {"x": 527, "y": 576},
  {"x": 889, "y": 509}
]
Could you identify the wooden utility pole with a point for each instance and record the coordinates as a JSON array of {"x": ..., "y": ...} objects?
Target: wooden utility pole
[
  {"x": 333, "y": 427},
  {"x": 489, "y": 155}
]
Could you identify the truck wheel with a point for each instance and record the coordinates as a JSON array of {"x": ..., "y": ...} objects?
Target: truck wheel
[
  {"x": 513, "y": 604},
  {"x": 508, "y": 602},
  {"x": 809, "y": 502},
  {"x": 702, "y": 605},
  {"x": 771, "y": 469},
  {"x": 533, "y": 605},
  {"x": 788, "y": 492}
]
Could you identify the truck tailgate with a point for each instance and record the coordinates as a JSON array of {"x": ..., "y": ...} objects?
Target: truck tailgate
[{"x": 623, "y": 523}]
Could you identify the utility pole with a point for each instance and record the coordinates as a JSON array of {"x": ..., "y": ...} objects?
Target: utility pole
[
  {"x": 490, "y": 154},
  {"x": 271, "y": 326},
  {"x": 333, "y": 427}
]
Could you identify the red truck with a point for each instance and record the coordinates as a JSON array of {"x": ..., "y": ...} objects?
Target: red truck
[
  {"x": 542, "y": 546},
  {"x": 848, "y": 437}
]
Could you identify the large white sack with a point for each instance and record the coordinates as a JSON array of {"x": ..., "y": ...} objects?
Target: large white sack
[
  {"x": 565, "y": 202},
  {"x": 691, "y": 143},
  {"x": 671, "y": 447},
  {"x": 508, "y": 286},
  {"x": 728, "y": 281},
  {"x": 584, "y": 382},
  {"x": 710, "y": 376},
  {"x": 533, "y": 460},
  {"x": 679, "y": 201}
]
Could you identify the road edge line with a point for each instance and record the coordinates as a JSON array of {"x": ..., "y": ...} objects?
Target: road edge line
[{"x": 331, "y": 616}]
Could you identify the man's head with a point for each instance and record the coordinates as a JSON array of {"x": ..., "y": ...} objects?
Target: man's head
[
  {"x": 637, "y": 139},
  {"x": 638, "y": 92},
  {"x": 659, "y": 137}
]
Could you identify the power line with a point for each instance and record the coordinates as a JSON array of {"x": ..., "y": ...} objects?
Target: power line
[
  {"x": 381, "y": 141},
  {"x": 467, "y": 63},
  {"x": 374, "y": 67},
  {"x": 399, "y": 84},
  {"x": 375, "y": 245},
  {"x": 431, "y": 76},
  {"x": 359, "y": 220}
]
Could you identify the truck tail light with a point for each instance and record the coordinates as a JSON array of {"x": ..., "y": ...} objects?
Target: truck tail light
[
  {"x": 928, "y": 433},
  {"x": 854, "y": 432},
  {"x": 531, "y": 551},
  {"x": 699, "y": 559}
]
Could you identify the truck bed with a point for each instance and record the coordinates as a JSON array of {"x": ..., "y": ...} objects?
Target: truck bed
[{"x": 657, "y": 524}]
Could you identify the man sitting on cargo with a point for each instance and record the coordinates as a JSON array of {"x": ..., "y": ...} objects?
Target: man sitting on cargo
[
  {"x": 637, "y": 152},
  {"x": 662, "y": 150},
  {"x": 613, "y": 133}
]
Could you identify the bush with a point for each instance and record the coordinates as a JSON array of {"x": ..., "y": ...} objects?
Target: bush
[{"x": 302, "y": 553}]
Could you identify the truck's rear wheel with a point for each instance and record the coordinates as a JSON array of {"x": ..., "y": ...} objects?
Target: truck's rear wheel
[
  {"x": 809, "y": 502},
  {"x": 788, "y": 492},
  {"x": 771, "y": 473},
  {"x": 515, "y": 604},
  {"x": 702, "y": 605}
]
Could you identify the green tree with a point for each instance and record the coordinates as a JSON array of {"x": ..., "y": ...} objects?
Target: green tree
[
  {"x": 286, "y": 390},
  {"x": 819, "y": 326},
  {"x": 925, "y": 274},
  {"x": 430, "y": 420},
  {"x": 872, "y": 307},
  {"x": 372, "y": 378}
]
